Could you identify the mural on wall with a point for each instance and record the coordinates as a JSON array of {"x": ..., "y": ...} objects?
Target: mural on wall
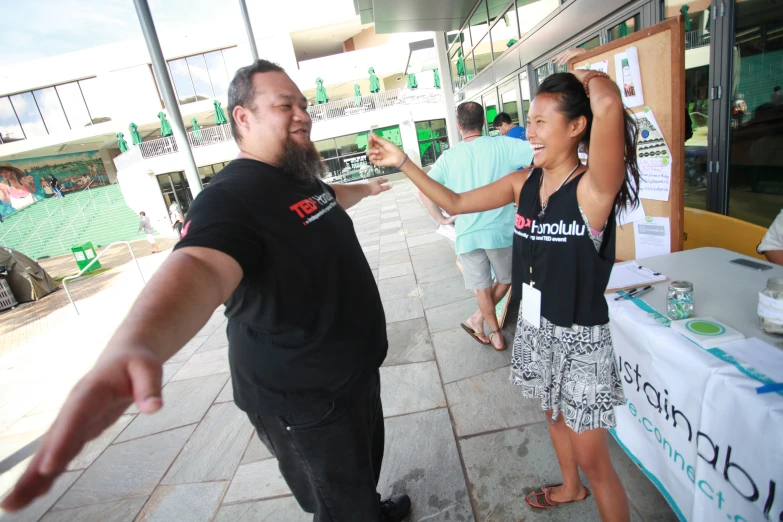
[{"x": 23, "y": 182}]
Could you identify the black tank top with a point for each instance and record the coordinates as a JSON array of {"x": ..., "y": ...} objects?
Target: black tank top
[{"x": 568, "y": 270}]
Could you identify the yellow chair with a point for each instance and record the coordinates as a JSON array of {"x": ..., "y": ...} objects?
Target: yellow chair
[{"x": 708, "y": 229}]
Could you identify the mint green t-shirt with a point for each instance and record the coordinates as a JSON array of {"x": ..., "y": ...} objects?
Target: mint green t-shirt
[{"x": 470, "y": 165}]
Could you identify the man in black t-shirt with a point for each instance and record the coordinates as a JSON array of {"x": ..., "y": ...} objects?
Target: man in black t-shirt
[{"x": 306, "y": 328}]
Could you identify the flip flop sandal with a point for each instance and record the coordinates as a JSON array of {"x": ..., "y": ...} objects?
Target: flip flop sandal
[
  {"x": 473, "y": 334},
  {"x": 532, "y": 500},
  {"x": 548, "y": 499},
  {"x": 496, "y": 332}
]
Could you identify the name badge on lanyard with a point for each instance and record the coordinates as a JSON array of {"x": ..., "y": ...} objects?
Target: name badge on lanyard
[{"x": 531, "y": 305}]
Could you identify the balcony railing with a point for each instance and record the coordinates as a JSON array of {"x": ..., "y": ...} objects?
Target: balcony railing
[
  {"x": 168, "y": 145},
  {"x": 372, "y": 102},
  {"x": 698, "y": 38}
]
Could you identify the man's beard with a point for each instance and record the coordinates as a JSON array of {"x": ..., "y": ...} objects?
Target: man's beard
[{"x": 303, "y": 161}]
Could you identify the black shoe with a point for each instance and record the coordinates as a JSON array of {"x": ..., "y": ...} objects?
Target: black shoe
[{"x": 395, "y": 508}]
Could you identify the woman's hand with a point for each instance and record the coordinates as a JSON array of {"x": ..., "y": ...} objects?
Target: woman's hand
[
  {"x": 564, "y": 57},
  {"x": 383, "y": 153}
]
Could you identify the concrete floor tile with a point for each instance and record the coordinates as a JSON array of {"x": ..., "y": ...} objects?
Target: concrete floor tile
[
  {"x": 460, "y": 356},
  {"x": 410, "y": 388},
  {"x": 392, "y": 238},
  {"x": 128, "y": 470},
  {"x": 217, "y": 320},
  {"x": 391, "y": 224},
  {"x": 184, "y": 402},
  {"x": 257, "y": 481},
  {"x": 375, "y": 247},
  {"x": 435, "y": 246},
  {"x": 41, "y": 505},
  {"x": 395, "y": 257},
  {"x": 214, "y": 450},
  {"x": 255, "y": 451},
  {"x": 402, "y": 309},
  {"x": 489, "y": 402},
  {"x": 191, "y": 502},
  {"x": 424, "y": 239},
  {"x": 443, "y": 292},
  {"x": 398, "y": 287},
  {"x": 226, "y": 394},
  {"x": 421, "y": 460},
  {"x": 184, "y": 353},
  {"x": 440, "y": 256},
  {"x": 436, "y": 272},
  {"x": 449, "y": 316},
  {"x": 169, "y": 369},
  {"x": 202, "y": 364},
  {"x": 391, "y": 247},
  {"x": 95, "y": 447},
  {"x": 117, "y": 511},
  {"x": 219, "y": 339},
  {"x": 284, "y": 509},
  {"x": 409, "y": 342},
  {"x": 400, "y": 269}
]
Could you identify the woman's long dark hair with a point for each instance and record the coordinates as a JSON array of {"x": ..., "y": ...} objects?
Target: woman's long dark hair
[{"x": 573, "y": 103}]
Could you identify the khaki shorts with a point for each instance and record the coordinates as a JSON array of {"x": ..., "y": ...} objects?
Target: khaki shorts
[{"x": 478, "y": 265}]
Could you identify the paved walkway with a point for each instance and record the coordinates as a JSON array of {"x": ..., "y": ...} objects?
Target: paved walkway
[{"x": 461, "y": 441}]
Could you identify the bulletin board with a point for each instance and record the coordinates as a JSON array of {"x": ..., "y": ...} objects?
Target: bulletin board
[{"x": 661, "y": 52}]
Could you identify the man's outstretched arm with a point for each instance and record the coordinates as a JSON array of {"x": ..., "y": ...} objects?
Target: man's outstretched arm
[
  {"x": 350, "y": 195},
  {"x": 171, "y": 309}
]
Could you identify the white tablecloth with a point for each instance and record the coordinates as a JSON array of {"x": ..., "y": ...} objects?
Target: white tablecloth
[{"x": 693, "y": 419}]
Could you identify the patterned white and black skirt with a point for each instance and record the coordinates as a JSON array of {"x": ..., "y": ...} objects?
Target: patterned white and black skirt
[{"x": 570, "y": 370}]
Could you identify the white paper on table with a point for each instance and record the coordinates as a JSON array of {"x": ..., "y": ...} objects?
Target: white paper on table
[
  {"x": 760, "y": 355},
  {"x": 627, "y": 214},
  {"x": 652, "y": 237},
  {"x": 630, "y": 274},
  {"x": 630, "y": 80},
  {"x": 653, "y": 157},
  {"x": 602, "y": 66}
]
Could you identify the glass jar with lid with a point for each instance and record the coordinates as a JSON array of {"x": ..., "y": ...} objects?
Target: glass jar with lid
[
  {"x": 679, "y": 300},
  {"x": 771, "y": 306}
]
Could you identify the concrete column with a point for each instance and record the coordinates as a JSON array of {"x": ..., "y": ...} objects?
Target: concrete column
[
  {"x": 111, "y": 171},
  {"x": 167, "y": 90},
  {"x": 447, "y": 88},
  {"x": 249, "y": 29}
]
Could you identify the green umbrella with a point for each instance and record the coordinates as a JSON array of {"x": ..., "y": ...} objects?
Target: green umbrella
[
  {"x": 412, "y": 83},
  {"x": 165, "y": 126},
  {"x": 460, "y": 63},
  {"x": 511, "y": 42},
  {"x": 121, "y": 142},
  {"x": 320, "y": 92},
  {"x": 684, "y": 11},
  {"x": 375, "y": 84},
  {"x": 624, "y": 29},
  {"x": 135, "y": 136},
  {"x": 357, "y": 92},
  {"x": 436, "y": 77},
  {"x": 220, "y": 116},
  {"x": 196, "y": 129}
]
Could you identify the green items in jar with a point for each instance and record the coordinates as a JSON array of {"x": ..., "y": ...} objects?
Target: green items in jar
[
  {"x": 770, "y": 308},
  {"x": 679, "y": 300}
]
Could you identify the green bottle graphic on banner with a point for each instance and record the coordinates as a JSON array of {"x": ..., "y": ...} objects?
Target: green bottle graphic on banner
[{"x": 628, "y": 86}]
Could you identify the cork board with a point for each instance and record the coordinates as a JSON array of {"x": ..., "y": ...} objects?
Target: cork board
[{"x": 661, "y": 51}]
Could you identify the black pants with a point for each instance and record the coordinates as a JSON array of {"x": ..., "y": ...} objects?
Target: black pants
[{"x": 331, "y": 456}]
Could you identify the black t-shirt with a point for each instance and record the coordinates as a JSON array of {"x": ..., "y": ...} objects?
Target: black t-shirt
[{"x": 306, "y": 323}]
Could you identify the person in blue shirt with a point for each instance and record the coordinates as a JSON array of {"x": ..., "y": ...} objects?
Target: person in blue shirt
[
  {"x": 483, "y": 238},
  {"x": 505, "y": 125}
]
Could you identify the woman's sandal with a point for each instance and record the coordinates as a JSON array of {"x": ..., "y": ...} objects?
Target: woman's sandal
[
  {"x": 496, "y": 332},
  {"x": 532, "y": 499}
]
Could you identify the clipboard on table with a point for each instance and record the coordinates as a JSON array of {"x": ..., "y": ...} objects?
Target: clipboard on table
[{"x": 632, "y": 275}]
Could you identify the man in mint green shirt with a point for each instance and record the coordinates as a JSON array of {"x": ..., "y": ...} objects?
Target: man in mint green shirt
[{"x": 484, "y": 238}]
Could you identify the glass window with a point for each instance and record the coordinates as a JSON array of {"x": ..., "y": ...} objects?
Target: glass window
[
  {"x": 205, "y": 173},
  {"x": 756, "y": 114},
  {"x": 326, "y": 148},
  {"x": 432, "y": 140},
  {"x": 29, "y": 117},
  {"x": 625, "y": 28},
  {"x": 217, "y": 72},
  {"x": 200, "y": 77},
  {"x": 482, "y": 54},
  {"x": 508, "y": 100},
  {"x": 51, "y": 110},
  {"x": 542, "y": 72},
  {"x": 10, "y": 130},
  {"x": 235, "y": 59},
  {"x": 478, "y": 22},
  {"x": 505, "y": 33},
  {"x": 73, "y": 104},
  {"x": 531, "y": 12},
  {"x": 491, "y": 110},
  {"x": 97, "y": 100},
  {"x": 349, "y": 144},
  {"x": 524, "y": 87},
  {"x": 592, "y": 43},
  {"x": 182, "y": 83}
]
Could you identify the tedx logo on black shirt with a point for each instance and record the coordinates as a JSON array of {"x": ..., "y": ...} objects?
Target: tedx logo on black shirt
[{"x": 314, "y": 207}]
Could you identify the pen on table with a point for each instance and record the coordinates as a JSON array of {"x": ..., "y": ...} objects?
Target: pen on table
[
  {"x": 767, "y": 388},
  {"x": 642, "y": 291},
  {"x": 634, "y": 292}
]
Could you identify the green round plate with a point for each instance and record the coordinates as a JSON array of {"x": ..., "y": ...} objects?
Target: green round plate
[{"x": 702, "y": 327}]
